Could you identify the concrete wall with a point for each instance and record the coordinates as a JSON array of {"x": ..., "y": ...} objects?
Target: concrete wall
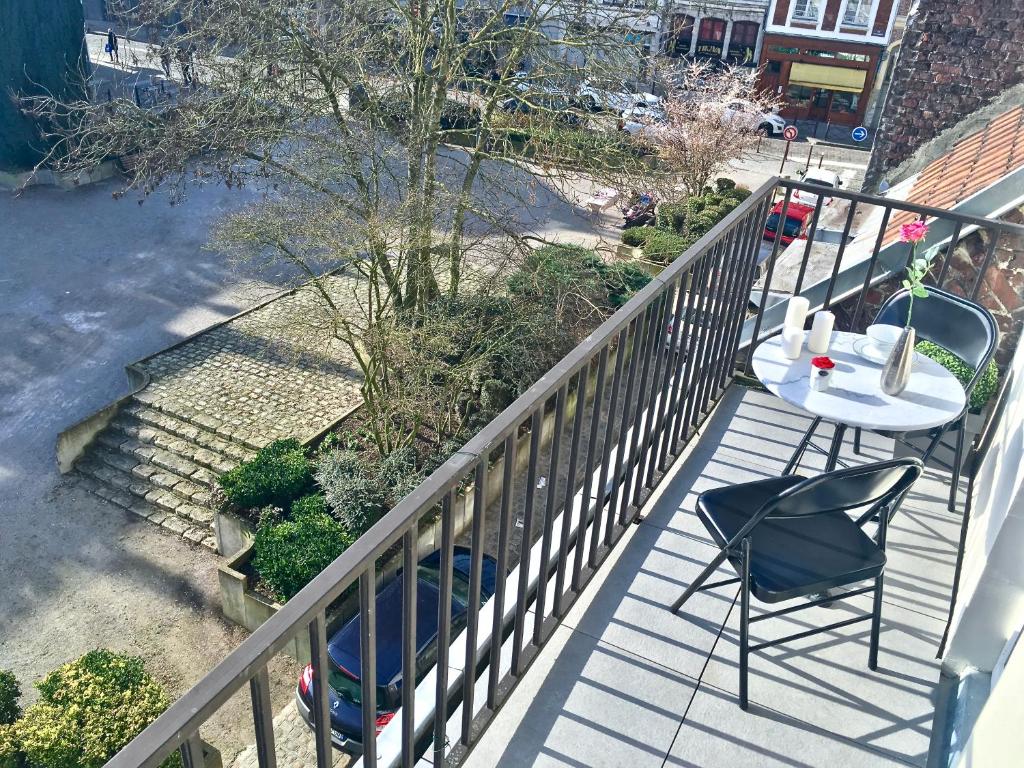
[
  {"x": 990, "y": 607},
  {"x": 998, "y": 739}
]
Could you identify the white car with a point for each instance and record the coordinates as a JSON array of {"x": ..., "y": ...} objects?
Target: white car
[
  {"x": 599, "y": 99},
  {"x": 643, "y": 121},
  {"x": 750, "y": 116},
  {"x": 819, "y": 177}
]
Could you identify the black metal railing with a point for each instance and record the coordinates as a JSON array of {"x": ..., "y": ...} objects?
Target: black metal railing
[{"x": 600, "y": 428}]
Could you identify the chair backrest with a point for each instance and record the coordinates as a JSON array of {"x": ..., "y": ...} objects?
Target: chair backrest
[
  {"x": 868, "y": 485},
  {"x": 966, "y": 329}
]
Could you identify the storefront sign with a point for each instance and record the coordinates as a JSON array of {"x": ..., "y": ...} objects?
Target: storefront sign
[
  {"x": 742, "y": 55},
  {"x": 709, "y": 48}
]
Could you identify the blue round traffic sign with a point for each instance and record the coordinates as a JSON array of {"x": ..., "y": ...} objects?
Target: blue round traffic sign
[{"x": 859, "y": 133}]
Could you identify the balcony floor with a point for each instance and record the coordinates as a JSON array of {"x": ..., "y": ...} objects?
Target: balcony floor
[{"x": 624, "y": 683}]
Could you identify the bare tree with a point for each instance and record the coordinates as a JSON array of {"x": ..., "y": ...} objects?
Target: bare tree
[
  {"x": 712, "y": 117},
  {"x": 382, "y": 133}
]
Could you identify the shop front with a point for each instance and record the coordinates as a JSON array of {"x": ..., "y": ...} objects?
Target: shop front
[{"x": 823, "y": 80}]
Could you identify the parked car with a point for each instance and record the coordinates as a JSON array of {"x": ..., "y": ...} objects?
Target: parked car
[
  {"x": 343, "y": 656},
  {"x": 819, "y": 177},
  {"x": 643, "y": 121},
  {"x": 553, "y": 104},
  {"x": 750, "y": 116},
  {"x": 603, "y": 100},
  {"x": 794, "y": 227}
]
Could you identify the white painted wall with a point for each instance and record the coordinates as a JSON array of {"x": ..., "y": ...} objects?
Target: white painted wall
[{"x": 990, "y": 607}]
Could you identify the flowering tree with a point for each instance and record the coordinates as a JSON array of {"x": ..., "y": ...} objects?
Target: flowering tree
[{"x": 712, "y": 117}]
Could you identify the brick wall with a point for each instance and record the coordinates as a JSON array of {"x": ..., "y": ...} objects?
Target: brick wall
[
  {"x": 956, "y": 57},
  {"x": 1001, "y": 290}
]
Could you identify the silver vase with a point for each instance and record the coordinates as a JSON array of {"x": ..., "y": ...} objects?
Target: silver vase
[{"x": 896, "y": 371}]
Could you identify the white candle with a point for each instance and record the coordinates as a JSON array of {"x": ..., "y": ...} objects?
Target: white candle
[
  {"x": 792, "y": 342},
  {"x": 821, "y": 332},
  {"x": 796, "y": 312}
]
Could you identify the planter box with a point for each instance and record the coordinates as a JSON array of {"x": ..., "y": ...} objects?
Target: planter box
[
  {"x": 248, "y": 608},
  {"x": 628, "y": 252},
  {"x": 234, "y": 532}
]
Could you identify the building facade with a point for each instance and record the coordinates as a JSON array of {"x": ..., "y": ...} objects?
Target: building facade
[
  {"x": 730, "y": 32},
  {"x": 822, "y": 56}
]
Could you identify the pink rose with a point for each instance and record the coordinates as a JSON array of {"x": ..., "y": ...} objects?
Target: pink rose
[{"x": 913, "y": 233}]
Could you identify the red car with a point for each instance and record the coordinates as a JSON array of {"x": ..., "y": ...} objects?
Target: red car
[{"x": 795, "y": 226}]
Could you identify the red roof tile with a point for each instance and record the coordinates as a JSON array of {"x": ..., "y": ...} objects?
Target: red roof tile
[{"x": 973, "y": 164}]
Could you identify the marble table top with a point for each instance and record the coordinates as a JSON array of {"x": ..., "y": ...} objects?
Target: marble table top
[{"x": 854, "y": 397}]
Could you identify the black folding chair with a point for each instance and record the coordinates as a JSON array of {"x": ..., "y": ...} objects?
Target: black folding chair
[
  {"x": 966, "y": 329},
  {"x": 790, "y": 537}
]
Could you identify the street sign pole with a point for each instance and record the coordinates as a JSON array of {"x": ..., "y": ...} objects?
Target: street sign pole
[{"x": 788, "y": 133}]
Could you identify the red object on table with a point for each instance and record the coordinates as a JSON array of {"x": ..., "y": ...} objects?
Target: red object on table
[{"x": 822, "y": 362}]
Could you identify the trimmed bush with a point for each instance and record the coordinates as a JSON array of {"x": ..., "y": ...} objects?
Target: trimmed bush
[
  {"x": 10, "y": 692},
  {"x": 278, "y": 475},
  {"x": 622, "y": 281},
  {"x": 313, "y": 504},
  {"x": 88, "y": 710},
  {"x": 289, "y": 554},
  {"x": 637, "y": 236},
  {"x": 664, "y": 246},
  {"x": 987, "y": 384},
  {"x": 724, "y": 185},
  {"x": 10, "y": 747},
  {"x": 739, "y": 194},
  {"x": 672, "y": 216}
]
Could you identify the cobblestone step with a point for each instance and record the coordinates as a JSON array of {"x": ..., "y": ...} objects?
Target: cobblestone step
[
  {"x": 146, "y": 441},
  {"x": 143, "y": 477},
  {"x": 181, "y": 428},
  {"x": 189, "y": 521},
  {"x": 136, "y": 452},
  {"x": 235, "y": 433}
]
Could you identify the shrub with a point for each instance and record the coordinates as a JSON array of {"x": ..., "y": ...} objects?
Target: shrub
[
  {"x": 359, "y": 491},
  {"x": 276, "y": 476},
  {"x": 313, "y": 504},
  {"x": 88, "y": 710},
  {"x": 622, "y": 281},
  {"x": 10, "y": 692},
  {"x": 637, "y": 236},
  {"x": 987, "y": 384},
  {"x": 289, "y": 554},
  {"x": 664, "y": 246},
  {"x": 739, "y": 194},
  {"x": 696, "y": 204},
  {"x": 703, "y": 222},
  {"x": 10, "y": 747},
  {"x": 723, "y": 185},
  {"x": 672, "y": 216}
]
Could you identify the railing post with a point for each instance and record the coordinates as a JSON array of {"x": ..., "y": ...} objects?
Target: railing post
[
  {"x": 321, "y": 709},
  {"x": 263, "y": 719}
]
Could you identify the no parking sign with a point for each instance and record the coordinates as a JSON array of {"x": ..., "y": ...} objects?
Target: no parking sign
[{"x": 789, "y": 132}]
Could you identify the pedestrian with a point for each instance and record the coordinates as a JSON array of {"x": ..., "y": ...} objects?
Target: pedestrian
[
  {"x": 165, "y": 60},
  {"x": 111, "y": 47}
]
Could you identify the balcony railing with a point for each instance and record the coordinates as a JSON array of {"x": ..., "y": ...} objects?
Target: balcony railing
[{"x": 625, "y": 404}]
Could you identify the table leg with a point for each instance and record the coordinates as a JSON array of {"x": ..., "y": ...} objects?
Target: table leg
[{"x": 835, "y": 448}]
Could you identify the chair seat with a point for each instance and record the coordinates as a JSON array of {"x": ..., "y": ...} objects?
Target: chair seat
[{"x": 790, "y": 556}]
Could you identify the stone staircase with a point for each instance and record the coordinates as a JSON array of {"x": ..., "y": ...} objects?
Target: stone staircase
[{"x": 162, "y": 466}]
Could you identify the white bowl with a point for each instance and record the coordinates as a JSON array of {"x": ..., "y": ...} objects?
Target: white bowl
[{"x": 884, "y": 336}]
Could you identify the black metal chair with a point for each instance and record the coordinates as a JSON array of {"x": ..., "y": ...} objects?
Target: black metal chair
[
  {"x": 790, "y": 537},
  {"x": 962, "y": 327}
]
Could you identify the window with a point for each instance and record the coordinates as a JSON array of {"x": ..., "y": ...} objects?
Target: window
[
  {"x": 775, "y": 67},
  {"x": 799, "y": 95},
  {"x": 744, "y": 33},
  {"x": 678, "y": 43},
  {"x": 844, "y": 103},
  {"x": 712, "y": 30},
  {"x": 840, "y": 55},
  {"x": 785, "y": 50},
  {"x": 806, "y": 10},
  {"x": 857, "y": 12}
]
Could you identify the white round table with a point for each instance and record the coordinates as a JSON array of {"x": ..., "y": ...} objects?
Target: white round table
[{"x": 855, "y": 398}]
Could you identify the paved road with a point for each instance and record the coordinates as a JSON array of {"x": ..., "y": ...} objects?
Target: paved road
[{"x": 87, "y": 284}]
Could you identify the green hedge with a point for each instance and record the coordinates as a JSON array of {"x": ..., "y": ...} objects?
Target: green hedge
[
  {"x": 637, "y": 236},
  {"x": 10, "y": 691},
  {"x": 987, "y": 384},
  {"x": 664, "y": 246},
  {"x": 278, "y": 475},
  {"x": 359, "y": 490},
  {"x": 87, "y": 711},
  {"x": 287, "y": 555}
]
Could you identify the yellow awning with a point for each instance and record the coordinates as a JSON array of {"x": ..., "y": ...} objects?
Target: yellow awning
[{"x": 832, "y": 78}]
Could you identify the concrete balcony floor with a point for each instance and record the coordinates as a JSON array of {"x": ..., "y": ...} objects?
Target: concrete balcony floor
[{"x": 625, "y": 683}]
